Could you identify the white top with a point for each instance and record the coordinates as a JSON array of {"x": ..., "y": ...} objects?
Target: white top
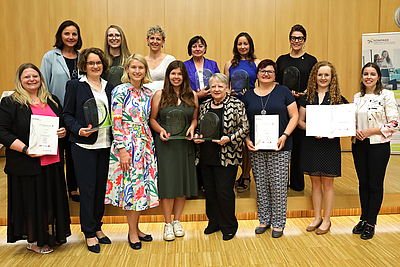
[
  {"x": 104, "y": 135},
  {"x": 158, "y": 74},
  {"x": 362, "y": 112}
]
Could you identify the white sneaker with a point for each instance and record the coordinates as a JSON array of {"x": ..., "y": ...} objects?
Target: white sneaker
[
  {"x": 178, "y": 230},
  {"x": 169, "y": 232}
]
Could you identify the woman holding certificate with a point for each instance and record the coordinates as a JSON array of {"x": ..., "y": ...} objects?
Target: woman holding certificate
[
  {"x": 321, "y": 156},
  {"x": 377, "y": 119},
  {"x": 272, "y": 113},
  {"x": 37, "y": 198},
  {"x": 174, "y": 119},
  {"x": 219, "y": 158},
  {"x": 90, "y": 148},
  {"x": 132, "y": 176}
]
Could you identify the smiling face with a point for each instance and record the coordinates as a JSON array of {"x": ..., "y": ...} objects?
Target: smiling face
[
  {"x": 155, "y": 41},
  {"x": 30, "y": 80},
  {"x": 324, "y": 77},
  {"x": 136, "y": 71},
  {"x": 94, "y": 66},
  {"x": 218, "y": 90},
  {"x": 243, "y": 46},
  {"x": 113, "y": 38},
  {"x": 266, "y": 75},
  {"x": 198, "y": 49},
  {"x": 297, "y": 40},
  {"x": 176, "y": 78},
  {"x": 370, "y": 77},
  {"x": 70, "y": 36}
]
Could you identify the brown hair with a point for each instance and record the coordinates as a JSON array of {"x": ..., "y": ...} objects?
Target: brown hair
[
  {"x": 236, "y": 55},
  {"x": 83, "y": 59},
  {"x": 379, "y": 85}
]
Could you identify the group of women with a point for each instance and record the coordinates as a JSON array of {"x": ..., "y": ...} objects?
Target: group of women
[{"x": 136, "y": 163}]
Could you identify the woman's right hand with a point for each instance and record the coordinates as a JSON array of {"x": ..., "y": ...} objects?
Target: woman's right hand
[
  {"x": 86, "y": 131},
  {"x": 33, "y": 155},
  {"x": 250, "y": 144},
  {"x": 125, "y": 160},
  {"x": 164, "y": 136},
  {"x": 203, "y": 92},
  {"x": 197, "y": 141}
]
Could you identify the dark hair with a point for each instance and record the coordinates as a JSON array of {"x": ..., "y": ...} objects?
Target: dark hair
[
  {"x": 83, "y": 59},
  {"x": 267, "y": 62},
  {"x": 376, "y": 57},
  {"x": 236, "y": 55},
  {"x": 168, "y": 96},
  {"x": 379, "y": 86},
  {"x": 59, "y": 42},
  {"x": 388, "y": 60},
  {"x": 193, "y": 41},
  {"x": 298, "y": 28}
]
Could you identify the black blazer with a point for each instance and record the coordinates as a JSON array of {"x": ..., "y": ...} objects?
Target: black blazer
[
  {"x": 15, "y": 121},
  {"x": 76, "y": 94}
]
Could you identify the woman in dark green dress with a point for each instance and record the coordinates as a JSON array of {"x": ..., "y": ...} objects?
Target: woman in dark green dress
[{"x": 175, "y": 157}]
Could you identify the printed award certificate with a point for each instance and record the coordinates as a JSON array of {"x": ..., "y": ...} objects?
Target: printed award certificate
[
  {"x": 43, "y": 138},
  {"x": 331, "y": 120},
  {"x": 266, "y": 131}
]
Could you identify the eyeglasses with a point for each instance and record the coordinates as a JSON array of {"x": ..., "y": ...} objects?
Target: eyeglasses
[
  {"x": 299, "y": 39},
  {"x": 91, "y": 63},
  {"x": 114, "y": 36},
  {"x": 266, "y": 72}
]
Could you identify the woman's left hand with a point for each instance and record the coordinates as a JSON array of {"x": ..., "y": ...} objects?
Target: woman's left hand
[
  {"x": 281, "y": 142},
  {"x": 61, "y": 132},
  {"x": 190, "y": 132},
  {"x": 361, "y": 135},
  {"x": 222, "y": 141}
]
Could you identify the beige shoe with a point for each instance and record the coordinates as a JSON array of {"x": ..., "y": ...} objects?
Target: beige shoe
[
  {"x": 178, "y": 229},
  {"x": 169, "y": 232}
]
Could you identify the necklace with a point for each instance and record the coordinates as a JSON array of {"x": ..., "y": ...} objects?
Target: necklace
[
  {"x": 34, "y": 99},
  {"x": 219, "y": 103},
  {"x": 74, "y": 74},
  {"x": 263, "y": 107},
  {"x": 92, "y": 82}
]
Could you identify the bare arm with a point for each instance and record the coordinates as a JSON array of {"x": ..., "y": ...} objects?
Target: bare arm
[
  {"x": 294, "y": 118},
  {"x": 155, "y": 103},
  {"x": 302, "y": 118},
  {"x": 193, "y": 124}
]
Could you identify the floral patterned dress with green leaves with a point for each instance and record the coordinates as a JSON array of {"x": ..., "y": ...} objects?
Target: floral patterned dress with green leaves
[{"x": 136, "y": 189}]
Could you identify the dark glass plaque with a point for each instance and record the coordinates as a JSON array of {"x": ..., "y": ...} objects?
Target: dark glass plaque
[
  {"x": 96, "y": 114},
  {"x": 239, "y": 81},
  {"x": 210, "y": 126},
  {"x": 291, "y": 78},
  {"x": 202, "y": 77},
  {"x": 177, "y": 124}
]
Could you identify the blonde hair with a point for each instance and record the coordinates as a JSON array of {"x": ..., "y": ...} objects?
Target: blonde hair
[
  {"x": 22, "y": 96},
  {"x": 156, "y": 29},
  {"x": 125, "y": 77},
  {"x": 124, "y": 50}
]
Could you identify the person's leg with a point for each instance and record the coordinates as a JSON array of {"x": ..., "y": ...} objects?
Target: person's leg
[
  {"x": 211, "y": 197},
  {"x": 296, "y": 173},
  {"x": 244, "y": 184},
  {"x": 329, "y": 199},
  {"x": 69, "y": 167},
  {"x": 133, "y": 222},
  {"x": 317, "y": 200},
  {"x": 167, "y": 206},
  {"x": 101, "y": 183}
]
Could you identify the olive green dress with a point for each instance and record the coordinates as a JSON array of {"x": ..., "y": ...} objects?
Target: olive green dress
[{"x": 175, "y": 159}]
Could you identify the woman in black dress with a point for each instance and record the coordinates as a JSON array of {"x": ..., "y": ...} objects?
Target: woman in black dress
[{"x": 321, "y": 157}]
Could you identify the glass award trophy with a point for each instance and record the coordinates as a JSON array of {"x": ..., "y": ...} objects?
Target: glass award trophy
[
  {"x": 239, "y": 81},
  {"x": 176, "y": 124},
  {"x": 202, "y": 76},
  {"x": 210, "y": 126},
  {"x": 96, "y": 114},
  {"x": 291, "y": 78}
]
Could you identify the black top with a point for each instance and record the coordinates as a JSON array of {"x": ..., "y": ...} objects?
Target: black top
[
  {"x": 303, "y": 63},
  {"x": 326, "y": 101},
  {"x": 73, "y": 70},
  {"x": 210, "y": 150}
]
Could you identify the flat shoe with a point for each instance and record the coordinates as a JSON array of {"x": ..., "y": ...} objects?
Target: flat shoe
[
  {"x": 244, "y": 187},
  {"x": 359, "y": 228},
  {"x": 75, "y": 198},
  {"x": 311, "y": 228},
  {"x": 210, "y": 230},
  {"x": 368, "y": 232},
  {"x": 262, "y": 229},
  {"x": 41, "y": 250},
  {"x": 276, "y": 234},
  {"x": 136, "y": 246},
  {"x": 228, "y": 237},
  {"x": 104, "y": 240},
  {"x": 322, "y": 232},
  {"x": 146, "y": 238}
]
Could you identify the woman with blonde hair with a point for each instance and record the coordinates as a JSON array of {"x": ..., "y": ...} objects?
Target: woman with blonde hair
[
  {"x": 117, "y": 52},
  {"x": 321, "y": 156},
  {"x": 132, "y": 175}
]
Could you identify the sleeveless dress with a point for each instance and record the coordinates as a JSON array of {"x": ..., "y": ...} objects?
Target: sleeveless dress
[
  {"x": 251, "y": 70},
  {"x": 175, "y": 158}
]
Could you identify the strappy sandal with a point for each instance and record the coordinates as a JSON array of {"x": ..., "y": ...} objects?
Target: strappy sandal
[
  {"x": 238, "y": 181},
  {"x": 42, "y": 250},
  {"x": 243, "y": 187}
]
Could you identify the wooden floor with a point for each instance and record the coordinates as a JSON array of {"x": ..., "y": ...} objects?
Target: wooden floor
[{"x": 296, "y": 248}]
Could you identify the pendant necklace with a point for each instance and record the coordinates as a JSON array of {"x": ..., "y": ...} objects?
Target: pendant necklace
[{"x": 263, "y": 111}]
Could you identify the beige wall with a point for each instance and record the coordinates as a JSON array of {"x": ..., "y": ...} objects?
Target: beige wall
[{"x": 334, "y": 28}]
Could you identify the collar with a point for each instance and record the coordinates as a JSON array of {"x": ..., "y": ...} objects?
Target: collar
[{"x": 84, "y": 79}]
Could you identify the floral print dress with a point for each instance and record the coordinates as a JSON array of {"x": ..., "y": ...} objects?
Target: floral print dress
[{"x": 136, "y": 189}]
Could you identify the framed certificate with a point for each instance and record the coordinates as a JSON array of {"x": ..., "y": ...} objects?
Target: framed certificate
[
  {"x": 330, "y": 120},
  {"x": 43, "y": 138},
  {"x": 266, "y": 131}
]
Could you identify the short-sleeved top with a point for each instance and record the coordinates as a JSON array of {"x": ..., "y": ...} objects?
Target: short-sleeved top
[
  {"x": 280, "y": 98},
  {"x": 250, "y": 69},
  {"x": 303, "y": 63},
  {"x": 191, "y": 68}
]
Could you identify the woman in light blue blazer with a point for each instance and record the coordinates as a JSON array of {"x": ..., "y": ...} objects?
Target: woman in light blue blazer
[{"x": 59, "y": 66}]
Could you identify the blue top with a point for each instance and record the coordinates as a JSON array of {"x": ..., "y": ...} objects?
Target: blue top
[
  {"x": 280, "y": 98},
  {"x": 191, "y": 68},
  {"x": 251, "y": 70}
]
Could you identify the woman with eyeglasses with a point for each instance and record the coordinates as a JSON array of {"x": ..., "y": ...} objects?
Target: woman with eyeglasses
[
  {"x": 297, "y": 61},
  {"x": 271, "y": 167},
  {"x": 117, "y": 52},
  {"x": 90, "y": 148},
  {"x": 59, "y": 66}
]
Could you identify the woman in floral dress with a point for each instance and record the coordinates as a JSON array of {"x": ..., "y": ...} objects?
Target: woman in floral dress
[{"x": 132, "y": 176}]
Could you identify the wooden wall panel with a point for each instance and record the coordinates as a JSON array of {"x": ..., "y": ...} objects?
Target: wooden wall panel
[
  {"x": 387, "y": 23},
  {"x": 135, "y": 18}
]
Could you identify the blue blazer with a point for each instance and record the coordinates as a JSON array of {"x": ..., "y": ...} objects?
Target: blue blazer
[
  {"x": 76, "y": 94},
  {"x": 191, "y": 68}
]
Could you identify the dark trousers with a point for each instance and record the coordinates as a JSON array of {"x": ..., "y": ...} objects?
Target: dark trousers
[
  {"x": 370, "y": 162},
  {"x": 69, "y": 165},
  {"x": 220, "y": 197},
  {"x": 91, "y": 169},
  {"x": 296, "y": 177}
]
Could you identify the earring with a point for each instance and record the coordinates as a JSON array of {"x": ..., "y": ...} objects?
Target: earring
[
  {"x": 162, "y": 46},
  {"x": 304, "y": 47}
]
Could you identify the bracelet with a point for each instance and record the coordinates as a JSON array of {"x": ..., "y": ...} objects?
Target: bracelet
[
  {"x": 285, "y": 134},
  {"x": 24, "y": 149}
]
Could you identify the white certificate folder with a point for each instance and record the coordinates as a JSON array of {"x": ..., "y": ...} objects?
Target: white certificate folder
[
  {"x": 43, "y": 137},
  {"x": 266, "y": 131},
  {"x": 330, "y": 120}
]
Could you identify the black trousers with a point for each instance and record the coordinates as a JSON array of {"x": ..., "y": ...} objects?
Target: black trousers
[
  {"x": 69, "y": 165},
  {"x": 296, "y": 177},
  {"x": 219, "y": 182},
  {"x": 370, "y": 162},
  {"x": 91, "y": 169}
]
